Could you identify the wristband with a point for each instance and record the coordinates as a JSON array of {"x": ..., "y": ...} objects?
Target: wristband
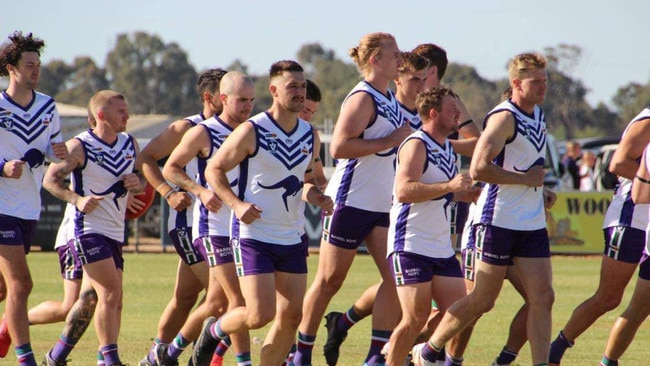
[
  {"x": 169, "y": 193},
  {"x": 465, "y": 123},
  {"x": 642, "y": 180}
]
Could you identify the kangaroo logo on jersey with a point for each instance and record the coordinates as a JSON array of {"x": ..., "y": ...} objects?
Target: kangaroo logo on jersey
[
  {"x": 539, "y": 161},
  {"x": 117, "y": 189},
  {"x": 291, "y": 184},
  {"x": 34, "y": 158}
]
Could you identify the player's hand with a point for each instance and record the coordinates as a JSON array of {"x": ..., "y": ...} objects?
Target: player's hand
[
  {"x": 400, "y": 134},
  {"x": 210, "y": 200},
  {"x": 179, "y": 200},
  {"x": 88, "y": 204},
  {"x": 535, "y": 176},
  {"x": 59, "y": 150},
  {"x": 469, "y": 195},
  {"x": 461, "y": 182},
  {"x": 549, "y": 198},
  {"x": 246, "y": 212},
  {"x": 13, "y": 169},
  {"x": 325, "y": 203},
  {"x": 132, "y": 183},
  {"x": 133, "y": 204}
]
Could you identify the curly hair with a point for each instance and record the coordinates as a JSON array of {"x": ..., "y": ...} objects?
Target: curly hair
[{"x": 13, "y": 49}]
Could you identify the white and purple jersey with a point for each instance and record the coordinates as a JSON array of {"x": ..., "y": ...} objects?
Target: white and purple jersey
[
  {"x": 367, "y": 182},
  {"x": 272, "y": 178},
  {"x": 516, "y": 206},
  {"x": 410, "y": 117},
  {"x": 411, "y": 229},
  {"x": 26, "y": 134},
  {"x": 622, "y": 211},
  {"x": 102, "y": 174},
  {"x": 208, "y": 223},
  {"x": 183, "y": 219},
  {"x": 66, "y": 229}
]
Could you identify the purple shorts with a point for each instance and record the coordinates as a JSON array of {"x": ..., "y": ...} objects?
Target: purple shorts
[
  {"x": 304, "y": 240},
  {"x": 624, "y": 244},
  {"x": 644, "y": 267},
  {"x": 71, "y": 268},
  {"x": 410, "y": 268},
  {"x": 215, "y": 249},
  {"x": 348, "y": 226},
  {"x": 498, "y": 246},
  {"x": 16, "y": 231},
  {"x": 182, "y": 239},
  {"x": 91, "y": 248},
  {"x": 255, "y": 257}
]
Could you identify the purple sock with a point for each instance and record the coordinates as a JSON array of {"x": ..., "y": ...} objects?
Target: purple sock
[
  {"x": 379, "y": 339},
  {"x": 451, "y": 361},
  {"x": 62, "y": 349},
  {"x": 558, "y": 346},
  {"x": 347, "y": 320},
  {"x": 111, "y": 356},
  {"x": 223, "y": 346},
  {"x": 506, "y": 356},
  {"x": 303, "y": 351},
  {"x": 25, "y": 355},
  {"x": 429, "y": 352}
]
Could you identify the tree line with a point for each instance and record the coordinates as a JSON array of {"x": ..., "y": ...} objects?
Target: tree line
[{"x": 158, "y": 78}]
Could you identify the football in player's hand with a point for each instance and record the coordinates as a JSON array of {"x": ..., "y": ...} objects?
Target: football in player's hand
[{"x": 139, "y": 204}]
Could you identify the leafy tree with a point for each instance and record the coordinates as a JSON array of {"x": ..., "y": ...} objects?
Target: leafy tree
[
  {"x": 154, "y": 76},
  {"x": 631, "y": 99},
  {"x": 84, "y": 80},
  {"x": 53, "y": 77},
  {"x": 478, "y": 94}
]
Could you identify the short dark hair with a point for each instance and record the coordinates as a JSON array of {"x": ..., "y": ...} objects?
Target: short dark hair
[
  {"x": 209, "y": 81},
  {"x": 432, "y": 99},
  {"x": 313, "y": 91},
  {"x": 13, "y": 49},
  {"x": 436, "y": 55},
  {"x": 285, "y": 65},
  {"x": 412, "y": 62}
]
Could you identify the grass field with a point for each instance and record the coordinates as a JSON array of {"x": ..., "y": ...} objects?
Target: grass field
[{"x": 149, "y": 279}]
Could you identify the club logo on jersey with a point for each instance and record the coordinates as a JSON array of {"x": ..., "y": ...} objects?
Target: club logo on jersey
[
  {"x": 182, "y": 234},
  {"x": 291, "y": 184},
  {"x": 46, "y": 119},
  {"x": 27, "y": 116},
  {"x": 288, "y": 141},
  {"x": 128, "y": 156},
  {"x": 7, "y": 123},
  {"x": 273, "y": 146},
  {"x": 34, "y": 158},
  {"x": 99, "y": 159},
  {"x": 117, "y": 189}
]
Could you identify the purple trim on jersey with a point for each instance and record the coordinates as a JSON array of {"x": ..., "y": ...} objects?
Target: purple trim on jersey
[
  {"x": 488, "y": 209},
  {"x": 203, "y": 211},
  {"x": 257, "y": 138},
  {"x": 25, "y": 108},
  {"x": 346, "y": 182},
  {"x": 28, "y": 130},
  {"x": 102, "y": 141},
  {"x": 627, "y": 211},
  {"x": 114, "y": 164},
  {"x": 79, "y": 189},
  {"x": 289, "y": 155},
  {"x": 400, "y": 227}
]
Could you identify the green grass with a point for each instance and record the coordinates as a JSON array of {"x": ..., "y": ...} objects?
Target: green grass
[{"x": 149, "y": 279}]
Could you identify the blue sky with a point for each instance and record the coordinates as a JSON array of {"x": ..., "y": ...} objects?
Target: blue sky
[{"x": 484, "y": 34}]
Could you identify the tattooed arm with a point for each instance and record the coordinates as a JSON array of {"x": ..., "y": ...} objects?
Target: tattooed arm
[{"x": 54, "y": 180}]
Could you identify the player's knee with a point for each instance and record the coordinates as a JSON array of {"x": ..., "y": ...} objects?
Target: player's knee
[
  {"x": 21, "y": 289},
  {"x": 611, "y": 303},
  {"x": 88, "y": 299},
  {"x": 260, "y": 317},
  {"x": 543, "y": 298}
]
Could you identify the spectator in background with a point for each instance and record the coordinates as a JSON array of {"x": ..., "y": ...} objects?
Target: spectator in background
[
  {"x": 587, "y": 164},
  {"x": 570, "y": 162}
]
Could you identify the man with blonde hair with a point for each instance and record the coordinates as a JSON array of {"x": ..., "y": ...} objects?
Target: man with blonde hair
[
  {"x": 509, "y": 219},
  {"x": 102, "y": 163}
]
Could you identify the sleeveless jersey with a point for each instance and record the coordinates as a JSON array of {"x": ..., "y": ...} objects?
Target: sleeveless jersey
[
  {"x": 102, "y": 174},
  {"x": 207, "y": 223},
  {"x": 272, "y": 179},
  {"x": 411, "y": 229},
  {"x": 182, "y": 219},
  {"x": 410, "y": 117},
  {"x": 516, "y": 206},
  {"x": 622, "y": 211},
  {"x": 367, "y": 182},
  {"x": 26, "y": 134}
]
